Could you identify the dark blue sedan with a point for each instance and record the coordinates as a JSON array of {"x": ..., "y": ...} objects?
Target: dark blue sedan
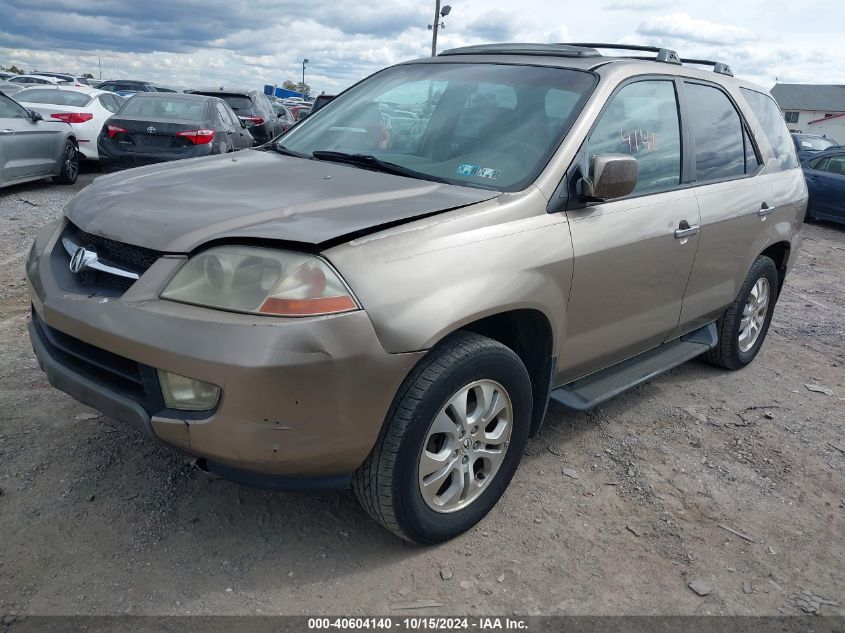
[
  {"x": 825, "y": 174},
  {"x": 809, "y": 145}
]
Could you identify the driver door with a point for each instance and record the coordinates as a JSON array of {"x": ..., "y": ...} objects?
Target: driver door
[{"x": 631, "y": 267}]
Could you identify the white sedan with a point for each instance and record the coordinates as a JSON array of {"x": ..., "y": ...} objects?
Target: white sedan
[{"x": 85, "y": 109}]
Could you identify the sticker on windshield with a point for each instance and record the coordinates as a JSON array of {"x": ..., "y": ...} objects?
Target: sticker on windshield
[{"x": 480, "y": 172}]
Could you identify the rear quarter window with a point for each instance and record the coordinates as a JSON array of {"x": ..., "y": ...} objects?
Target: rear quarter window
[{"x": 771, "y": 120}]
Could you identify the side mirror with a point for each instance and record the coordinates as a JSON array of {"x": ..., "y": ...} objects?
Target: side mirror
[
  {"x": 35, "y": 116},
  {"x": 242, "y": 122},
  {"x": 611, "y": 176}
]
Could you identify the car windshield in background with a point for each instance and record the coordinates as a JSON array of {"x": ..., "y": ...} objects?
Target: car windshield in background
[
  {"x": 164, "y": 108},
  {"x": 491, "y": 126},
  {"x": 813, "y": 143},
  {"x": 54, "y": 97}
]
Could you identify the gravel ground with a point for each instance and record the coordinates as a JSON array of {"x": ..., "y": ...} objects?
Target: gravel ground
[{"x": 730, "y": 485}]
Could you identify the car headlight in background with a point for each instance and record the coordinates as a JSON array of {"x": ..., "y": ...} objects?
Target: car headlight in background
[{"x": 260, "y": 281}]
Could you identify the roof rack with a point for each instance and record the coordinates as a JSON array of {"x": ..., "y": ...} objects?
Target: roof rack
[
  {"x": 666, "y": 55},
  {"x": 718, "y": 67},
  {"x": 663, "y": 55},
  {"x": 549, "y": 50}
]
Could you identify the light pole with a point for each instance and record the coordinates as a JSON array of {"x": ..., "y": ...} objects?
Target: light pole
[
  {"x": 438, "y": 24},
  {"x": 304, "y": 61}
]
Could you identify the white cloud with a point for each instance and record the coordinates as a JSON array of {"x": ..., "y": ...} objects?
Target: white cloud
[{"x": 685, "y": 27}]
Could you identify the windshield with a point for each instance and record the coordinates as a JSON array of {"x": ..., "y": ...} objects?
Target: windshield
[
  {"x": 164, "y": 108},
  {"x": 815, "y": 143},
  {"x": 492, "y": 126},
  {"x": 54, "y": 97}
]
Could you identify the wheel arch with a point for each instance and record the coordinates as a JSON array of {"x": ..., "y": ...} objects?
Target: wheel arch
[
  {"x": 779, "y": 253},
  {"x": 529, "y": 333}
]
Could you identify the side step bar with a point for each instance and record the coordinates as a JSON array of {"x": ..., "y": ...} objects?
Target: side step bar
[{"x": 587, "y": 392}]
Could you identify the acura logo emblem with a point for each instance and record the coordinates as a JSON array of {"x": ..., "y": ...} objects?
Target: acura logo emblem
[
  {"x": 81, "y": 259},
  {"x": 151, "y": 130}
]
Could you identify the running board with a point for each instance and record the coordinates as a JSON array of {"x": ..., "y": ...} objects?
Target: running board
[{"x": 585, "y": 393}]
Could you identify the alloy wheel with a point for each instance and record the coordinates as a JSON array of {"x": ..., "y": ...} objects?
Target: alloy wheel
[
  {"x": 465, "y": 446},
  {"x": 754, "y": 314}
]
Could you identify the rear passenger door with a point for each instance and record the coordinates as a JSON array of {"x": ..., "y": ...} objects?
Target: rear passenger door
[
  {"x": 631, "y": 269},
  {"x": 733, "y": 197}
]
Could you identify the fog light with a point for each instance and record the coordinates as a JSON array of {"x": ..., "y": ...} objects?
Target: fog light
[{"x": 187, "y": 394}]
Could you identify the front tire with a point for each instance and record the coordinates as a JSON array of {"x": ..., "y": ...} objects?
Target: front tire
[
  {"x": 451, "y": 442},
  {"x": 744, "y": 325},
  {"x": 70, "y": 165}
]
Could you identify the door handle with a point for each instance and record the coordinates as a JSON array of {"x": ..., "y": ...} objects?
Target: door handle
[
  {"x": 7, "y": 131},
  {"x": 765, "y": 210},
  {"x": 685, "y": 230}
]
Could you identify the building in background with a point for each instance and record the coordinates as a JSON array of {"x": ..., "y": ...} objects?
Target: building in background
[{"x": 813, "y": 108}]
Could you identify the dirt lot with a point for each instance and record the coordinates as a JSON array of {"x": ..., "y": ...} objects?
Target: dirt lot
[{"x": 612, "y": 512}]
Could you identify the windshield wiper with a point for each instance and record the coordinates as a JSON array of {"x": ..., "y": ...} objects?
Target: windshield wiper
[
  {"x": 281, "y": 149},
  {"x": 370, "y": 161}
]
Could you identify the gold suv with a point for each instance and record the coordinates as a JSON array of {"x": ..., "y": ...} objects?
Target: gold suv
[{"x": 388, "y": 295}]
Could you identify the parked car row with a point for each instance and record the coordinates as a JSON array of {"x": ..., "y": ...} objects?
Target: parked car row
[{"x": 156, "y": 125}]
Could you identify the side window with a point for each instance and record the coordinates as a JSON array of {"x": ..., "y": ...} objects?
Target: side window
[
  {"x": 791, "y": 117},
  {"x": 819, "y": 163},
  {"x": 224, "y": 117},
  {"x": 718, "y": 134},
  {"x": 107, "y": 86},
  {"x": 642, "y": 120},
  {"x": 774, "y": 126},
  {"x": 835, "y": 165},
  {"x": 11, "y": 110},
  {"x": 264, "y": 106},
  {"x": 108, "y": 103}
]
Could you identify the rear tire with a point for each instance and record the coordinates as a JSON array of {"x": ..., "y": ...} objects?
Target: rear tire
[
  {"x": 70, "y": 165},
  {"x": 390, "y": 483},
  {"x": 742, "y": 327}
]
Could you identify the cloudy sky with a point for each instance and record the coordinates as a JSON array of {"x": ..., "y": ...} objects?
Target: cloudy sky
[{"x": 253, "y": 42}]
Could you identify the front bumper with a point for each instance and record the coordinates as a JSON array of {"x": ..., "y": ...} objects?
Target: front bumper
[{"x": 300, "y": 397}]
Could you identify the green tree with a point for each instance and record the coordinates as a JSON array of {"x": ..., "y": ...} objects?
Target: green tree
[
  {"x": 287, "y": 84},
  {"x": 88, "y": 76},
  {"x": 303, "y": 88}
]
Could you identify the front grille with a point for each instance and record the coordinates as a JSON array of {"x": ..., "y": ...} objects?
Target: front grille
[{"x": 136, "y": 259}]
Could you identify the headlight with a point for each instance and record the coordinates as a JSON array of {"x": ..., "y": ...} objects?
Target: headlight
[{"x": 261, "y": 281}]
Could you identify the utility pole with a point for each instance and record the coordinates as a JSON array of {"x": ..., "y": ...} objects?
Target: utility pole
[
  {"x": 435, "y": 27},
  {"x": 438, "y": 24},
  {"x": 100, "y": 66},
  {"x": 304, "y": 61}
]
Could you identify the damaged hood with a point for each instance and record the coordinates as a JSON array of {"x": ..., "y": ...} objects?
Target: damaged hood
[{"x": 176, "y": 207}]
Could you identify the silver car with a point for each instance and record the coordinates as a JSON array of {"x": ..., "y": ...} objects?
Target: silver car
[{"x": 32, "y": 148}]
